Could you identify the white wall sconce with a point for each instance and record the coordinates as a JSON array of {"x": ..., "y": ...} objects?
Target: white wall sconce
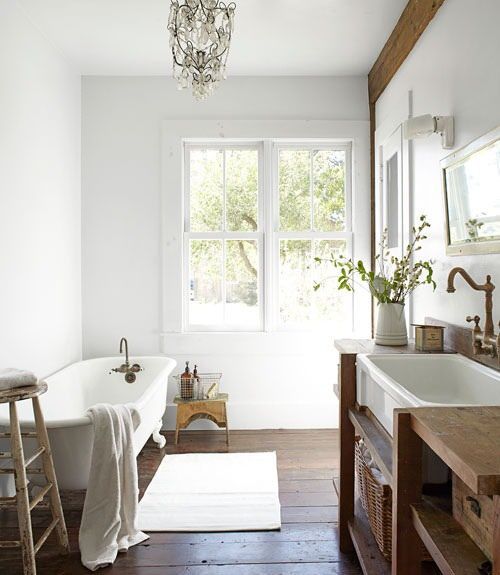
[{"x": 423, "y": 126}]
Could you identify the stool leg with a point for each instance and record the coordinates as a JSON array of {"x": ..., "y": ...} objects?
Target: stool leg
[
  {"x": 177, "y": 424},
  {"x": 50, "y": 474},
  {"x": 23, "y": 504}
]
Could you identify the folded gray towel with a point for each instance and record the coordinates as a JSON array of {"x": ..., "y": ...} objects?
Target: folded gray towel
[{"x": 11, "y": 378}]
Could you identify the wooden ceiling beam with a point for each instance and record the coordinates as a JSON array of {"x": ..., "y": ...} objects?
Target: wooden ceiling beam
[{"x": 412, "y": 22}]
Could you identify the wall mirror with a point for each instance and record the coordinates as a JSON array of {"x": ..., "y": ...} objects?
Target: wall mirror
[{"x": 471, "y": 182}]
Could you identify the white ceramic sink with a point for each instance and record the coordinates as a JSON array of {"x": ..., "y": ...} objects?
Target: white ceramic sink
[{"x": 386, "y": 382}]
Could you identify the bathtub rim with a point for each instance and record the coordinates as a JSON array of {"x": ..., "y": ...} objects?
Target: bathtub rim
[{"x": 85, "y": 419}]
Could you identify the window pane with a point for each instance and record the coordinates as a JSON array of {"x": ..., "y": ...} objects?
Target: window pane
[
  {"x": 299, "y": 303},
  {"x": 329, "y": 190},
  {"x": 295, "y": 281},
  {"x": 242, "y": 176},
  {"x": 242, "y": 291},
  {"x": 392, "y": 183},
  {"x": 205, "y": 200},
  {"x": 330, "y": 304},
  {"x": 295, "y": 190},
  {"x": 205, "y": 282}
]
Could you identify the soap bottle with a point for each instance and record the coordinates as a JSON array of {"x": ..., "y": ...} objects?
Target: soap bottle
[
  {"x": 187, "y": 383},
  {"x": 197, "y": 384}
]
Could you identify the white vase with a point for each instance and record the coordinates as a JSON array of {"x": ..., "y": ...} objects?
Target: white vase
[{"x": 391, "y": 324}]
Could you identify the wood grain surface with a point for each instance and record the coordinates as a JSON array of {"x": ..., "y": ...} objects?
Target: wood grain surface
[{"x": 306, "y": 545}]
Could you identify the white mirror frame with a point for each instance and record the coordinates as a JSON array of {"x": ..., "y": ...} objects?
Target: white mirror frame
[{"x": 467, "y": 248}]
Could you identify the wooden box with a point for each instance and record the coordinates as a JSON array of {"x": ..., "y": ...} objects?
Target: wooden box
[
  {"x": 475, "y": 515},
  {"x": 429, "y": 337}
]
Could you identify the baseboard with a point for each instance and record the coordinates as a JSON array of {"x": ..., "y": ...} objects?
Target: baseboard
[{"x": 304, "y": 415}]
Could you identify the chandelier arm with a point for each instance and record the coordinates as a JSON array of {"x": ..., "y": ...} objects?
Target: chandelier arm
[
  {"x": 210, "y": 59},
  {"x": 193, "y": 64},
  {"x": 178, "y": 42},
  {"x": 181, "y": 48},
  {"x": 217, "y": 56},
  {"x": 226, "y": 49}
]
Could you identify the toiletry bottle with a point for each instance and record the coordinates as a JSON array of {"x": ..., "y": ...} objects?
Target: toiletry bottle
[
  {"x": 198, "y": 389},
  {"x": 187, "y": 383}
]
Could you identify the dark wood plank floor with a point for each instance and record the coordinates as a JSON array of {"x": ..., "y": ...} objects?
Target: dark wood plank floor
[{"x": 306, "y": 545}]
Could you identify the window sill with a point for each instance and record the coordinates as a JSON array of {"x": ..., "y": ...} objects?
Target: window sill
[{"x": 261, "y": 343}]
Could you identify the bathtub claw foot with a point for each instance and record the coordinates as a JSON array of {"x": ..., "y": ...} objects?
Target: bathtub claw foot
[{"x": 158, "y": 438}]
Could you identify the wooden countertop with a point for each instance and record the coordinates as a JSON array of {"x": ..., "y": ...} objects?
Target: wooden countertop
[
  {"x": 355, "y": 346},
  {"x": 467, "y": 439}
]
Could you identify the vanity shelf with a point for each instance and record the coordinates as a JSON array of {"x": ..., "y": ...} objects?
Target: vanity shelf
[
  {"x": 377, "y": 440},
  {"x": 451, "y": 548},
  {"x": 369, "y": 556}
]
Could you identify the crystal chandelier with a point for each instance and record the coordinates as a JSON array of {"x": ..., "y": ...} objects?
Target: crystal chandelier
[{"x": 200, "y": 34}]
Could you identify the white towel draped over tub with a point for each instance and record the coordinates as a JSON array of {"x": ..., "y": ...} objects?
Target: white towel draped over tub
[{"x": 109, "y": 521}]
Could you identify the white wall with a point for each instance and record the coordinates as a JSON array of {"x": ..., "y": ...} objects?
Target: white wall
[
  {"x": 452, "y": 70},
  {"x": 40, "y": 236},
  {"x": 122, "y": 236}
]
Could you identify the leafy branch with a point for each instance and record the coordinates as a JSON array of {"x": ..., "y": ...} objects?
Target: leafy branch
[{"x": 397, "y": 277}]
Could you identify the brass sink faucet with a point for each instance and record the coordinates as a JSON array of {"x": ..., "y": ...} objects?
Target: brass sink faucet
[
  {"x": 126, "y": 368},
  {"x": 484, "y": 342}
]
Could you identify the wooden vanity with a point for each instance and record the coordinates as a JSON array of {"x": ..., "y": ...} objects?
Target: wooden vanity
[
  {"x": 354, "y": 529},
  {"x": 466, "y": 439}
]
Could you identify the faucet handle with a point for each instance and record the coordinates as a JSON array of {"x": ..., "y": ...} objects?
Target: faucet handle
[{"x": 476, "y": 319}]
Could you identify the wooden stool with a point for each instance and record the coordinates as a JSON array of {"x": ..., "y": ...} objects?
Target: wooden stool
[
  {"x": 20, "y": 470},
  {"x": 189, "y": 410}
]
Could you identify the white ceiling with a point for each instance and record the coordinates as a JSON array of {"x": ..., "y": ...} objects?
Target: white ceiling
[{"x": 271, "y": 37}]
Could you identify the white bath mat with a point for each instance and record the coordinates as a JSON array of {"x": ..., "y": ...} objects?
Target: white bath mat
[{"x": 212, "y": 492}]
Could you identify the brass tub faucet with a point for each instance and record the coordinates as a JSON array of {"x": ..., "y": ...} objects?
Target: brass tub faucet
[
  {"x": 126, "y": 368},
  {"x": 484, "y": 342}
]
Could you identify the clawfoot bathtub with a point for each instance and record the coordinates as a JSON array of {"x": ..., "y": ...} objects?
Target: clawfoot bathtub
[{"x": 77, "y": 387}]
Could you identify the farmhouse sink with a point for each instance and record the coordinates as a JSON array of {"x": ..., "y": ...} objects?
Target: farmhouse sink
[{"x": 386, "y": 382}]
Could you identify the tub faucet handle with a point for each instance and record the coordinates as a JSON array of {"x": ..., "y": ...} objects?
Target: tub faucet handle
[
  {"x": 122, "y": 369},
  {"x": 476, "y": 319}
]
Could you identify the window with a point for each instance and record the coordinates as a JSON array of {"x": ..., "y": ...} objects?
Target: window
[
  {"x": 224, "y": 250},
  {"x": 256, "y": 217}
]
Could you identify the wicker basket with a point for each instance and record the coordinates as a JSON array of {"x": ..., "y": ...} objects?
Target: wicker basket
[{"x": 376, "y": 500}]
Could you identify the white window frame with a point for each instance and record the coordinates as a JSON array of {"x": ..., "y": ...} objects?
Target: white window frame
[
  {"x": 278, "y": 235},
  {"x": 268, "y": 235},
  {"x": 222, "y": 235}
]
